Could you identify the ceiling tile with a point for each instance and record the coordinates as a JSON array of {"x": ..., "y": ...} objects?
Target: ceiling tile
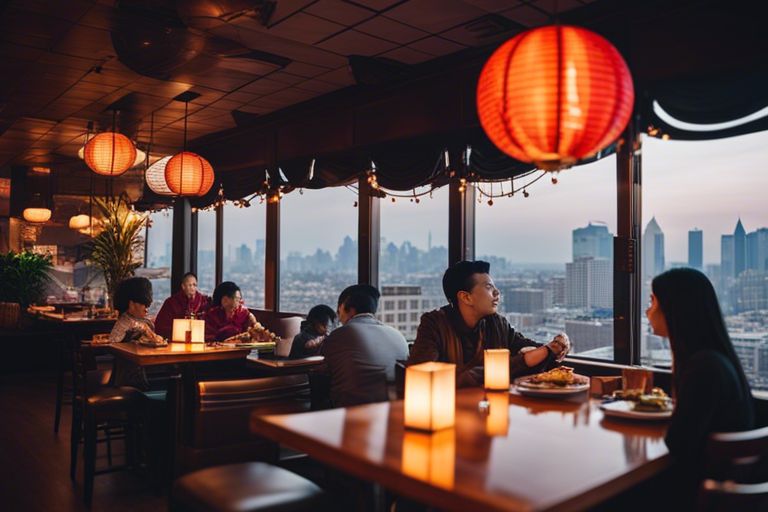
[
  {"x": 436, "y": 46},
  {"x": 286, "y": 8},
  {"x": 318, "y": 86},
  {"x": 342, "y": 76},
  {"x": 391, "y": 30},
  {"x": 485, "y": 30},
  {"x": 339, "y": 11},
  {"x": 556, "y": 6},
  {"x": 303, "y": 69},
  {"x": 352, "y": 42},
  {"x": 527, "y": 16},
  {"x": 305, "y": 28},
  {"x": 378, "y": 5},
  {"x": 407, "y": 55},
  {"x": 494, "y": 5},
  {"x": 434, "y": 15}
]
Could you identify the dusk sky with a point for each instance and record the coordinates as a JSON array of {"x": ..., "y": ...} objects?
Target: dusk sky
[{"x": 685, "y": 185}]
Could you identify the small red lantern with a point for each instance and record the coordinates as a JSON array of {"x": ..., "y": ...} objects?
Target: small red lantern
[
  {"x": 554, "y": 95},
  {"x": 189, "y": 174},
  {"x": 110, "y": 154}
]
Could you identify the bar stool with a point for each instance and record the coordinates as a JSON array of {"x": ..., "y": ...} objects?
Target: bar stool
[
  {"x": 99, "y": 408},
  {"x": 248, "y": 487}
]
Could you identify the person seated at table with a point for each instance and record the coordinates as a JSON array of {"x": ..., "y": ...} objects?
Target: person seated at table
[
  {"x": 360, "y": 356},
  {"x": 320, "y": 321},
  {"x": 227, "y": 315},
  {"x": 132, "y": 299},
  {"x": 460, "y": 331},
  {"x": 711, "y": 390},
  {"x": 187, "y": 302}
]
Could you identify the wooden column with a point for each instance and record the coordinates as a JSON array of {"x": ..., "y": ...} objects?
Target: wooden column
[
  {"x": 461, "y": 223},
  {"x": 181, "y": 258},
  {"x": 193, "y": 242},
  {"x": 219, "y": 257},
  {"x": 626, "y": 254},
  {"x": 368, "y": 235},
  {"x": 272, "y": 258}
]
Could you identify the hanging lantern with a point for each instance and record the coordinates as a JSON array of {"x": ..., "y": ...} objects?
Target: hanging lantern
[
  {"x": 189, "y": 174},
  {"x": 155, "y": 177},
  {"x": 37, "y": 212},
  {"x": 110, "y": 154},
  {"x": 79, "y": 221},
  {"x": 554, "y": 95},
  {"x": 140, "y": 156}
]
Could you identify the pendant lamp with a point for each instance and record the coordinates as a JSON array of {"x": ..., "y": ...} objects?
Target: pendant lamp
[
  {"x": 554, "y": 95},
  {"x": 110, "y": 153},
  {"x": 188, "y": 174},
  {"x": 37, "y": 212}
]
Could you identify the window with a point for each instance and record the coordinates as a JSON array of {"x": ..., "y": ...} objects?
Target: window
[
  {"x": 389, "y": 318},
  {"x": 206, "y": 251},
  {"x": 318, "y": 251},
  {"x": 414, "y": 317},
  {"x": 719, "y": 225},
  {"x": 402, "y": 317},
  {"x": 244, "y": 250},
  {"x": 159, "y": 236},
  {"x": 414, "y": 255},
  {"x": 389, "y": 305},
  {"x": 551, "y": 255}
]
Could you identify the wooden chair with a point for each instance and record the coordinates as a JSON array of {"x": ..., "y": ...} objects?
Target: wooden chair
[{"x": 736, "y": 470}]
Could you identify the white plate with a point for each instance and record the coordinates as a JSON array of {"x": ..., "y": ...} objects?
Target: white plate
[
  {"x": 625, "y": 409},
  {"x": 550, "y": 391}
]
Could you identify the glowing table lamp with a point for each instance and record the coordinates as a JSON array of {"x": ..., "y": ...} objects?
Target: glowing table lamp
[
  {"x": 430, "y": 396},
  {"x": 188, "y": 330},
  {"x": 497, "y": 369}
]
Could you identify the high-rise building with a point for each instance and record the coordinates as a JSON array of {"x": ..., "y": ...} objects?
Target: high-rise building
[
  {"x": 401, "y": 307},
  {"x": 757, "y": 250},
  {"x": 739, "y": 249},
  {"x": 588, "y": 335},
  {"x": 653, "y": 250},
  {"x": 593, "y": 241},
  {"x": 556, "y": 288},
  {"x": 696, "y": 249},
  {"x": 727, "y": 263},
  {"x": 750, "y": 291},
  {"x": 523, "y": 300},
  {"x": 589, "y": 283}
]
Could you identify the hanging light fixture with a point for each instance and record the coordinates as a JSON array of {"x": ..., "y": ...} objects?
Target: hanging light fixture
[
  {"x": 37, "y": 212},
  {"x": 554, "y": 95},
  {"x": 140, "y": 156},
  {"x": 79, "y": 221},
  {"x": 110, "y": 153},
  {"x": 155, "y": 173},
  {"x": 187, "y": 173}
]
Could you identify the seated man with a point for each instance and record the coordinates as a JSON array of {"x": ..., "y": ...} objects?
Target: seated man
[
  {"x": 458, "y": 333},
  {"x": 186, "y": 303},
  {"x": 227, "y": 315},
  {"x": 361, "y": 354}
]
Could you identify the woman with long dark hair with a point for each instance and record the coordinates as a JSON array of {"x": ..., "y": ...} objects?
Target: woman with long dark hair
[{"x": 711, "y": 391}]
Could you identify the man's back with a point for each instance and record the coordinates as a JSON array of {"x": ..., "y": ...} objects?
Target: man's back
[{"x": 361, "y": 358}]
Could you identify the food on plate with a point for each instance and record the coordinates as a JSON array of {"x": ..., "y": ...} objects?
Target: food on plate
[
  {"x": 657, "y": 401},
  {"x": 255, "y": 334},
  {"x": 561, "y": 376}
]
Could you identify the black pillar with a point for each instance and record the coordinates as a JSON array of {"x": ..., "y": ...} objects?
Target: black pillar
[
  {"x": 369, "y": 235},
  {"x": 272, "y": 258},
  {"x": 181, "y": 257},
  {"x": 219, "y": 257},
  {"x": 461, "y": 223}
]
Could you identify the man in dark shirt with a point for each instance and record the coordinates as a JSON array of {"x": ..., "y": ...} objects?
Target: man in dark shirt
[
  {"x": 459, "y": 332},
  {"x": 361, "y": 355}
]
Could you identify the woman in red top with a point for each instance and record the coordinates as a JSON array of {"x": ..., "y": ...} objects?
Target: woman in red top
[
  {"x": 182, "y": 304},
  {"x": 227, "y": 316}
]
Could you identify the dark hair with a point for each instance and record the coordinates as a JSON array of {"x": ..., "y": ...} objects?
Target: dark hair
[
  {"x": 364, "y": 298},
  {"x": 135, "y": 289},
  {"x": 321, "y": 314},
  {"x": 694, "y": 321},
  {"x": 460, "y": 277},
  {"x": 188, "y": 274},
  {"x": 225, "y": 289}
]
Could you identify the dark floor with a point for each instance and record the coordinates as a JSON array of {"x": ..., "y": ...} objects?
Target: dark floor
[{"x": 34, "y": 462}]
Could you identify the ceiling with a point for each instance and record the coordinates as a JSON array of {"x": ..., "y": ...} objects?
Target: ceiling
[{"x": 65, "y": 64}]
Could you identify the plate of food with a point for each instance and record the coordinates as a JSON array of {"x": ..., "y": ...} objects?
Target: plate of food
[
  {"x": 655, "y": 405},
  {"x": 556, "y": 382},
  {"x": 255, "y": 335}
]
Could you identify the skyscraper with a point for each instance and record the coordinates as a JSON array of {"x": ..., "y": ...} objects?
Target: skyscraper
[
  {"x": 739, "y": 249},
  {"x": 727, "y": 265},
  {"x": 589, "y": 283},
  {"x": 757, "y": 250},
  {"x": 696, "y": 249},
  {"x": 593, "y": 241},
  {"x": 653, "y": 250}
]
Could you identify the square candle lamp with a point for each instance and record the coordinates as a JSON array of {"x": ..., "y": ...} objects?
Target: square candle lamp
[
  {"x": 188, "y": 330},
  {"x": 430, "y": 396},
  {"x": 496, "y": 366}
]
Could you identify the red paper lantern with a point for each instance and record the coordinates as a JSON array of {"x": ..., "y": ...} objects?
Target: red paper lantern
[
  {"x": 189, "y": 174},
  {"x": 554, "y": 95},
  {"x": 110, "y": 154}
]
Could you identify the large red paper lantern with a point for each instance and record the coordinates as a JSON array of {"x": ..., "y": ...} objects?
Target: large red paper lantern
[
  {"x": 554, "y": 95},
  {"x": 110, "y": 154},
  {"x": 189, "y": 174}
]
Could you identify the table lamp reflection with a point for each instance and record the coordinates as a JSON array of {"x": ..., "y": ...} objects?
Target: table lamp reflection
[
  {"x": 430, "y": 396},
  {"x": 188, "y": 330}
]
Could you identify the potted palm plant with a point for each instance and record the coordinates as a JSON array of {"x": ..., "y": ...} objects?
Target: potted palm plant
[
  {"x": 117, "y": 247},
  {"x": 24, "y": 277}
]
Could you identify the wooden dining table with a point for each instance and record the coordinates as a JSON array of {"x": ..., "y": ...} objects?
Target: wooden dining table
[{"x": 525, "y": 454}]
